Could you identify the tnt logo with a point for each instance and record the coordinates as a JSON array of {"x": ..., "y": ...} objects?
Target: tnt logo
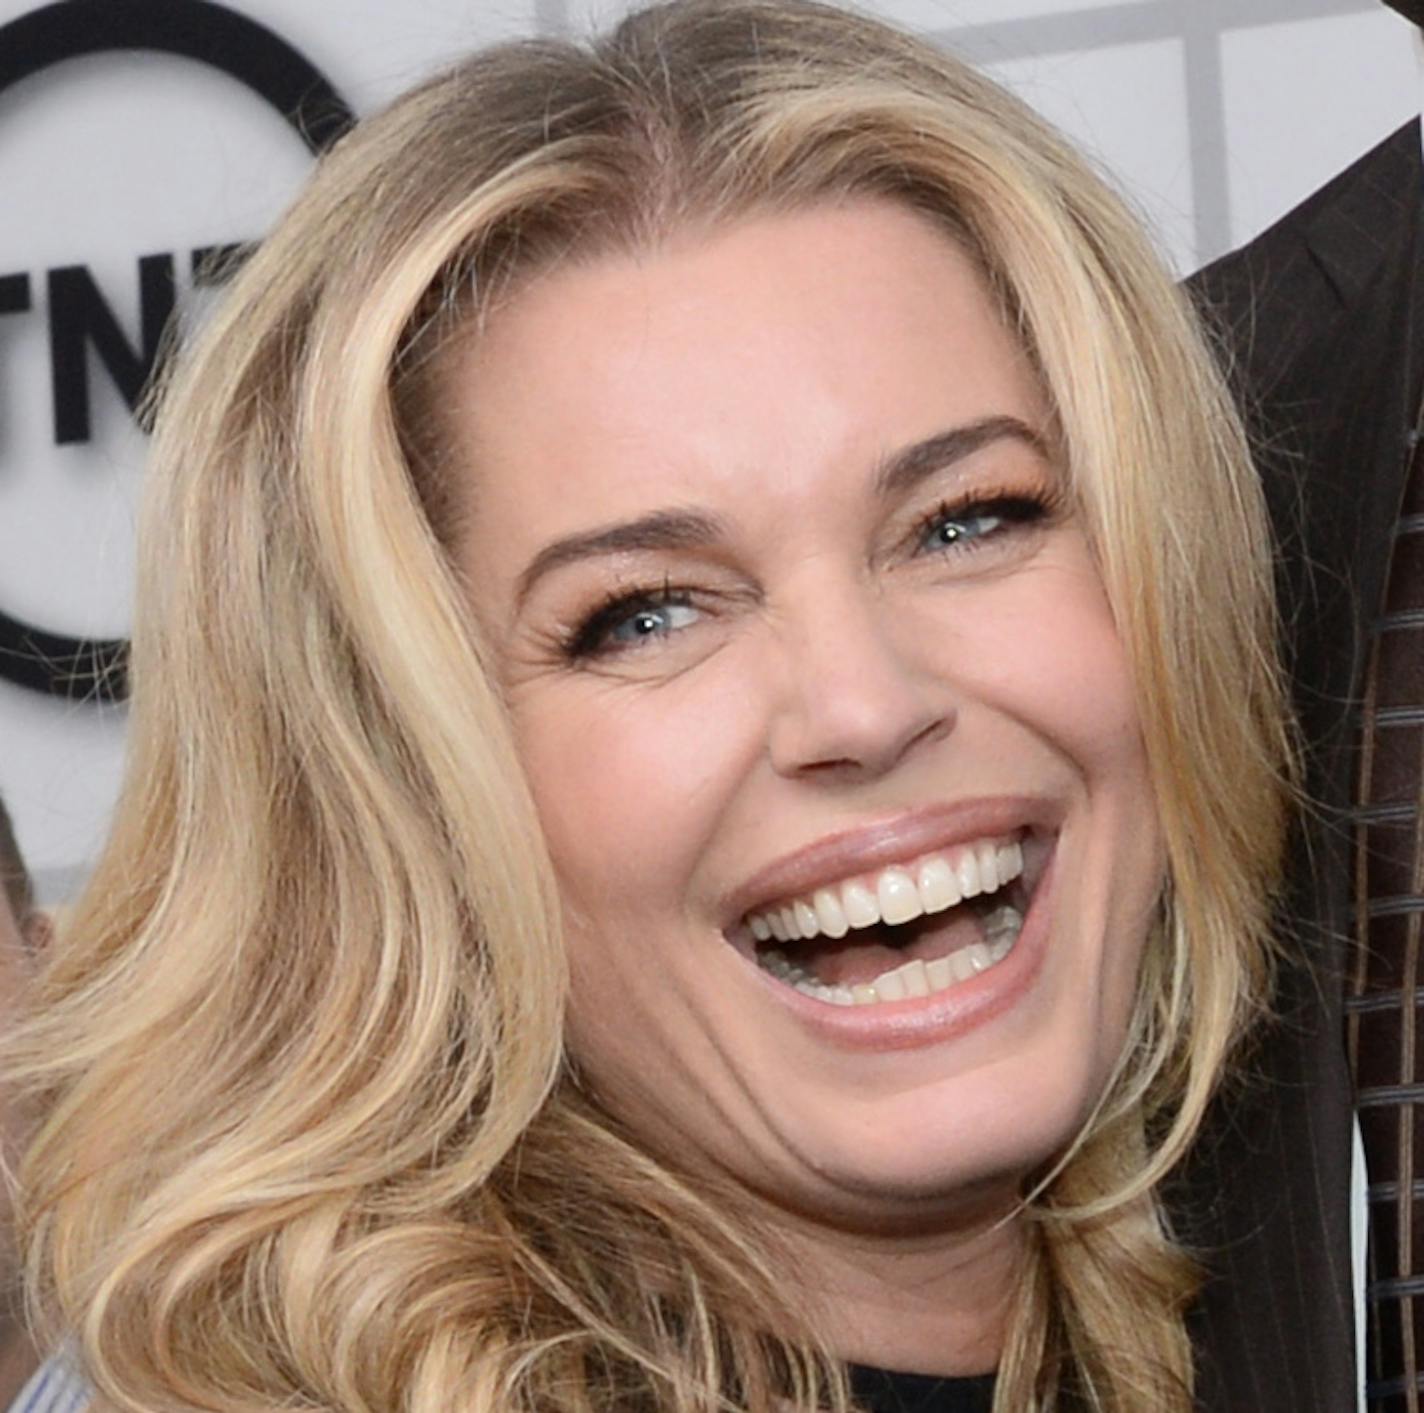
[
  {"x": 84, "y": 330},
  {"x": 81, "y": 335}
]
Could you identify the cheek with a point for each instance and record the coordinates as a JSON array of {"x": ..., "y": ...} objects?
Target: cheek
[
  {"x": 631, "y": 782},
  {"x": 1062, "y": 674},
  {"x": 1061, "y": 665},
  {"x": 1098, "y": 695}
]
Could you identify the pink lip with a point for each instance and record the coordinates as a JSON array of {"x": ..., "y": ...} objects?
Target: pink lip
[
  {"x": 928, "y": 1020},
  {"x": 890, "y": 841}
]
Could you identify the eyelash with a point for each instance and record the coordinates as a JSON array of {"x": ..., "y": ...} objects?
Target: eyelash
[
  {"x": 1010, "y": 508},
  {"x": 589, "y": 638}
]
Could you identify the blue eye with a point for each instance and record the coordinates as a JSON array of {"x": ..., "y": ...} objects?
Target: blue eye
[
  {"x": 950, "y": 530},
  {"x": 629, "y": 621},
  {"x": 973, "y": 523},
  {"x": 651, "y": 620}
]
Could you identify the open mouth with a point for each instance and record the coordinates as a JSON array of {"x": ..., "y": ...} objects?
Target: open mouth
[{"x": 914, "y": 929}]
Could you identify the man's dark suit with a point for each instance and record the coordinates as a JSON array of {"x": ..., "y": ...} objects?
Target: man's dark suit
[{"x": 1319, "y": 317}]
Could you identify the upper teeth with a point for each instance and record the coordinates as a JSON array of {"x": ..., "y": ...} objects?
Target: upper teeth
[{"x": 929, "y": 884}]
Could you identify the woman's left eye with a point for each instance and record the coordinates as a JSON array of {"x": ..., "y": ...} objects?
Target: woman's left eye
[
  {"x": 963, "y": 527},
  {"x": 654, "y": 620}
]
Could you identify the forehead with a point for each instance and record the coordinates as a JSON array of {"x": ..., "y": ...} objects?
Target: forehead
[{"x": 781, "y": 343}]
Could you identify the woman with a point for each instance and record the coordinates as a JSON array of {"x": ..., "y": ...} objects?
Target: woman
[{"x": 707, "y": 767}]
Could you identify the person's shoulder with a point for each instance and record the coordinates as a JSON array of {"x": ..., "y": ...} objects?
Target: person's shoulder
[
  {"x": 1332, "y": 240},
  {"x": 1278, "y": 303},
  {"x": 57, "y": 1387}
]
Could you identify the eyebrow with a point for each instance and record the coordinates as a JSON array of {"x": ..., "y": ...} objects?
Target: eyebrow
[
  {"x": 661, "y": 530},
  {"x": 908, "y": 467},
  {"x": 694, "y": 529}
]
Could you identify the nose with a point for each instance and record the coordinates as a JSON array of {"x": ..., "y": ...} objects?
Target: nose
[{"x": 858, "y": 692}]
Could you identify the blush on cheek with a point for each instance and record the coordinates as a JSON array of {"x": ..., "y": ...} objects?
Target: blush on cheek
[{"x": 629, "y": 794}]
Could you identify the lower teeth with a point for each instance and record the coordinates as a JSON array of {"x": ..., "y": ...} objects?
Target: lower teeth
[{"x": 916, "y": 978}]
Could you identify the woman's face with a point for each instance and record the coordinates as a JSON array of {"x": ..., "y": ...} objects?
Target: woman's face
[{"x": 800, "y": 633}]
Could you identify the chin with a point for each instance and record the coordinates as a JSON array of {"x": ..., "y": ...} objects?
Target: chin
[{"x": 975, "y": 1141}]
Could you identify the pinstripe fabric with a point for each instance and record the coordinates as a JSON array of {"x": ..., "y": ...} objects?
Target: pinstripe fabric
[
  {"x": 1318, "y": 318},
  {"x": 1386, "y": 1044},
  {"x": 55, "y": 1388}
]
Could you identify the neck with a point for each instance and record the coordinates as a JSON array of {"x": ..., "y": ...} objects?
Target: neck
[{"x": 928, "y": 1303}]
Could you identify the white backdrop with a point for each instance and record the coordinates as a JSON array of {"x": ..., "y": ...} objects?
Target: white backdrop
[{"x": 1214, "y": 116}]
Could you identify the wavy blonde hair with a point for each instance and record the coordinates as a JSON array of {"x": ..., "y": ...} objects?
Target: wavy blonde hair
[{"x": 311, "y": 1144}]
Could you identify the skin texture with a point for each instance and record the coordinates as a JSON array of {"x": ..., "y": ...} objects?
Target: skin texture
[
  {"x": 827, "y": 669},
  {"x": 17, "y": 1356}
]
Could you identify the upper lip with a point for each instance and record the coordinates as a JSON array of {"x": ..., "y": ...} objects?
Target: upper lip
[{"x": 894, "y": 840}]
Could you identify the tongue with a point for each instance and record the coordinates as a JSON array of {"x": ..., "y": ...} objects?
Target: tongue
[{"x": 864, "y": 954}]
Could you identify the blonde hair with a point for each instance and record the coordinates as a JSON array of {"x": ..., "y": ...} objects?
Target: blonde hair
[{"x": 310, "y": 1142}]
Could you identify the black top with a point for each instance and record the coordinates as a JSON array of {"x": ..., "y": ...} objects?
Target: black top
[{"x": 884, "y": 1392}]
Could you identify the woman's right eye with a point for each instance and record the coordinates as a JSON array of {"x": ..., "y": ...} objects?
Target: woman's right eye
[{"x": 631, "y": 621}]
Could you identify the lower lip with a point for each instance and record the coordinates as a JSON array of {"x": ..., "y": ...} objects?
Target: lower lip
[{"x": 941, "y": 1016}]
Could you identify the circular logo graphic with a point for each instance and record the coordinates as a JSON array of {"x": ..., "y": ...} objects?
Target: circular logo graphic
[{"x": 262, "y": 61}]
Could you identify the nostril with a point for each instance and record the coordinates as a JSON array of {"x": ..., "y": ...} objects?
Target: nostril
[
  {"x": 854, "y": 693},
  {"x": 876, "y": 751}
]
